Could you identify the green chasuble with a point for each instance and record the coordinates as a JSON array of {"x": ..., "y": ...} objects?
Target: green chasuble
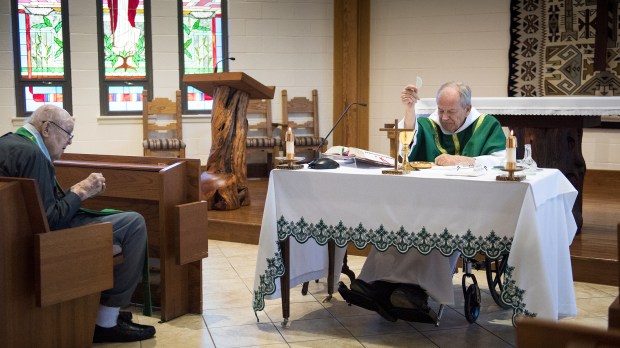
[{"x": 483, "y": 137}]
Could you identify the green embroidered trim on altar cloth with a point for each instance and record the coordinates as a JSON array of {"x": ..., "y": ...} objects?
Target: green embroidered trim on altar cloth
[{"x": 492, "y": 245}]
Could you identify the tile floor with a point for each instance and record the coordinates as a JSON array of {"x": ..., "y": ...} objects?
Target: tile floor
[{"x": 228, "y": 319}]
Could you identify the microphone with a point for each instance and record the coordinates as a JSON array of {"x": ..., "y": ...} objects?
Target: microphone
[
  {"x": 221, "y": 60},
  {"x": 328, "y": 163}
]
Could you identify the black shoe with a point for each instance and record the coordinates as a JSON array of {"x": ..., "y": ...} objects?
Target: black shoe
[
  {"x": 124, "y": 331},
  {"x": 374, "y": 298},
  {"x": 125, "y": 315}
]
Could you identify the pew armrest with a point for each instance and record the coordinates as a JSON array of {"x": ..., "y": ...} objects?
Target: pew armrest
[
  {"x": 72, "y": 263},
  {"x": 191, "y": 240}
]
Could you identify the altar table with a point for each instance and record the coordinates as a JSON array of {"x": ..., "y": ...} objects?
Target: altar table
[{"x": 423, "y": 210}]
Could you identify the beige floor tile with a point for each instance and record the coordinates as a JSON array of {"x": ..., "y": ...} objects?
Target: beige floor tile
[
  {"x": 585, "y": 290},
  {"x": 597, "y": 322},
  {"x": 340, "y": 343},
  {"x": 299, "y": 311},
  {"x": 117, "y": 345},
  {"x": 213, "y": 285},
  {"x": 312, "y": 330},
  {"x": 594, "y": 307},
  {"x": 339, "y": 308},
  {"x": 612, "y": 290},
  {"x": 374, "y": 324},
  {"x": 259, "y": 334},
  {"x": 412, "y": 339},
  {"x": 234, "y": 299},
  {"x": 472, "y": 336},
  {"x": 233, "y": 317}
]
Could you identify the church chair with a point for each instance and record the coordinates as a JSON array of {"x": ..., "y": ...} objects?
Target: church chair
[
  {"x": 162, "y": 127},
  {"x": 260, "y": 138},
  {"x": 51, "y": 281},
  {"x": 302, "y": 116},
  {"x": 533, "y": 332}
]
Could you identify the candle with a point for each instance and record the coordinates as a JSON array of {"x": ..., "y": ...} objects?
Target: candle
[
  {"x": 290, "y": 144},
  {"x": 511, "y": 151}
]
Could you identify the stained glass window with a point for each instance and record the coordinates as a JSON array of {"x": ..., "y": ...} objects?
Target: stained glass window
[
  {"x": 202, "y": 27},
  {"x": 41, "y": 54},
  {"x": 124, "y": 54}
]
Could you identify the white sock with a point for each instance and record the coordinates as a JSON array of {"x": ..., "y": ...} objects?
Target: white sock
[{"x": 107, "y": 316}]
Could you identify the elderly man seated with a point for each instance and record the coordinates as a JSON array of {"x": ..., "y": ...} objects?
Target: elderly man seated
[
  {"x": 29, "y": 153},
  {"x": 454, "y": 134}
]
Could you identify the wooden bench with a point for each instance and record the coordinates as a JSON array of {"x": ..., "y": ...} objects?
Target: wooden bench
[
  {"x": 51, "y": 281},
  {"x": 532, "y": 332},
  {"x": 165, "y": 191}
]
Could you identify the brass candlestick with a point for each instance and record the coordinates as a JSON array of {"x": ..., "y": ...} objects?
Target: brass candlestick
[
  {"x": 289, "y": 164},
  {"x": 511, "y": 174}
]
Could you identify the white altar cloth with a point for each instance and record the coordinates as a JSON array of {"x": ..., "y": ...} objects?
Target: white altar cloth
[{"x": 532, "y": 219}]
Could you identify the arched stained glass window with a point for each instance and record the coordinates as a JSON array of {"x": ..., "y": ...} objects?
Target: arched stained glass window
[
  {"x": 40, "y": 30},
  {"x": 204, "y": 32},
  {"x": 125, "y": 67}
]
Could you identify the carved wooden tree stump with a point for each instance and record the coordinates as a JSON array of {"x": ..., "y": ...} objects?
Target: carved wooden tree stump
[{"x": 224, "y": 185}]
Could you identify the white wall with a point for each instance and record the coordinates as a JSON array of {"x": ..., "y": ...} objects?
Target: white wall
[{"x": 289, "y": 44}]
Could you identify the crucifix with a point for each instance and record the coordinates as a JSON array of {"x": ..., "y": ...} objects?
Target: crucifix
[{"x": 404, "y": 136}]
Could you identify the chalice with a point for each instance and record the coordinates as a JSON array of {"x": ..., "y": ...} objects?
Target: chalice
[{"x": 406, "y": 137}]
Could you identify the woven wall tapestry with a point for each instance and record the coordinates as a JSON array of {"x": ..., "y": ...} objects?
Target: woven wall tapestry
[{"x": 552, "y": 49}]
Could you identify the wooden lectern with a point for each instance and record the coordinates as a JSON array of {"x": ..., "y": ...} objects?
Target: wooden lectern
[{"x": 224, "y": 184}]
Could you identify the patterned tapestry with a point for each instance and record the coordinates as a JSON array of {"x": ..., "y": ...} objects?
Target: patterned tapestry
[{"x": 552, "y": 49}]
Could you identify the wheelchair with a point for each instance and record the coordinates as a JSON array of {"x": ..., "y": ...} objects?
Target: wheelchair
[{"x": 495, "y": 270}]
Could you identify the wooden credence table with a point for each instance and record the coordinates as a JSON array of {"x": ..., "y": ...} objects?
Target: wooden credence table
[{"x": 165, "y": 191}]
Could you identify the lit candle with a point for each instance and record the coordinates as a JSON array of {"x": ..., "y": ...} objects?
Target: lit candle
[
  {"x": 290, "y": 144},
  {"x": 511, "y": 151}
]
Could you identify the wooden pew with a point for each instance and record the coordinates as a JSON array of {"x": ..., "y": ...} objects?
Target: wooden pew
[
  {"x": 51, "y": 281},
  {"x": 165, "y": 191},
  {"x": 614, "y": 309},
  {"x": 532, "y": 332}
]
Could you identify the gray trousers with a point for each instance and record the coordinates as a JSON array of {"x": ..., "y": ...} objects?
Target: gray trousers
[{"x": 128, "y": 231}]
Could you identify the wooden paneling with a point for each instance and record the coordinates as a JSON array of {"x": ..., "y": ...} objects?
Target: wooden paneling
[
  {"x": 351, "y": 71},
  {"x": 73, "y": 263},
  {"x": 191, "y": 244}
]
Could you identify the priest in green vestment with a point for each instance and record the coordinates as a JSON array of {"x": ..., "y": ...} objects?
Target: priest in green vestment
[{"x": 455, "y": 134}]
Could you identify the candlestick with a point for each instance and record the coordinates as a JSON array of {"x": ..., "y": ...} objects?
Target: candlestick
[
  {"x": 511, "y": 151},
  {"x": 290, "y": 144}
]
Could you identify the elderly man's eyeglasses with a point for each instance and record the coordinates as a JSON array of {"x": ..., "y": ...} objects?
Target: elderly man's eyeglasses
[{"x": 62, "y": 129}]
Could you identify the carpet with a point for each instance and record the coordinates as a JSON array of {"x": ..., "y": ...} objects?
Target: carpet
[{"x": 552, "y": 49}]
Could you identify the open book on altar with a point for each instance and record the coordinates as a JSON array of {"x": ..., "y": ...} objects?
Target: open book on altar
[{"x": 364, "y": 156}]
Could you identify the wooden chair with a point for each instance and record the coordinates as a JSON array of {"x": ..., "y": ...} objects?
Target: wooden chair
[
  {"x": 532, "y": 332},
  {"x": 302, "y": 115},
  {"x": 260, "y": 138},
  {"x": 162, "y": 126},
  {"x": 51, "y": 282}
]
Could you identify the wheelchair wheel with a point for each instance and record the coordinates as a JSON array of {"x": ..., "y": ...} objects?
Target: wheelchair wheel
[
  {"x": 495, "y": 270},
  {"x": 472, "y": 303}
]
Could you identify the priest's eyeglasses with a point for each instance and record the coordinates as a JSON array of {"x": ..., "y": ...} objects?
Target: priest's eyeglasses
[{"x": 62, "y": 129}]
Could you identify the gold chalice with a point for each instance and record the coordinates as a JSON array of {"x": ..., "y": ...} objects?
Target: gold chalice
[{"x": 405, "y": 138}]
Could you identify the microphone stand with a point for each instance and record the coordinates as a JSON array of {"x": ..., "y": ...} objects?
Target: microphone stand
[
  {"x": 318, "y": 149},
  {"x": 219, "y": 61}
]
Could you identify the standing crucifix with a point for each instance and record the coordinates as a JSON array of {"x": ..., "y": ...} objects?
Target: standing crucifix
[{"x": 404, "y": 136}]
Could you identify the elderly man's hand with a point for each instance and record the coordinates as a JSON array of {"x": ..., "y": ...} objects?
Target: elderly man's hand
[
  {"x": 453, "y": 160},
  {"x": 89, "y": 187},
  {"x": 409, "y": 96}
]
